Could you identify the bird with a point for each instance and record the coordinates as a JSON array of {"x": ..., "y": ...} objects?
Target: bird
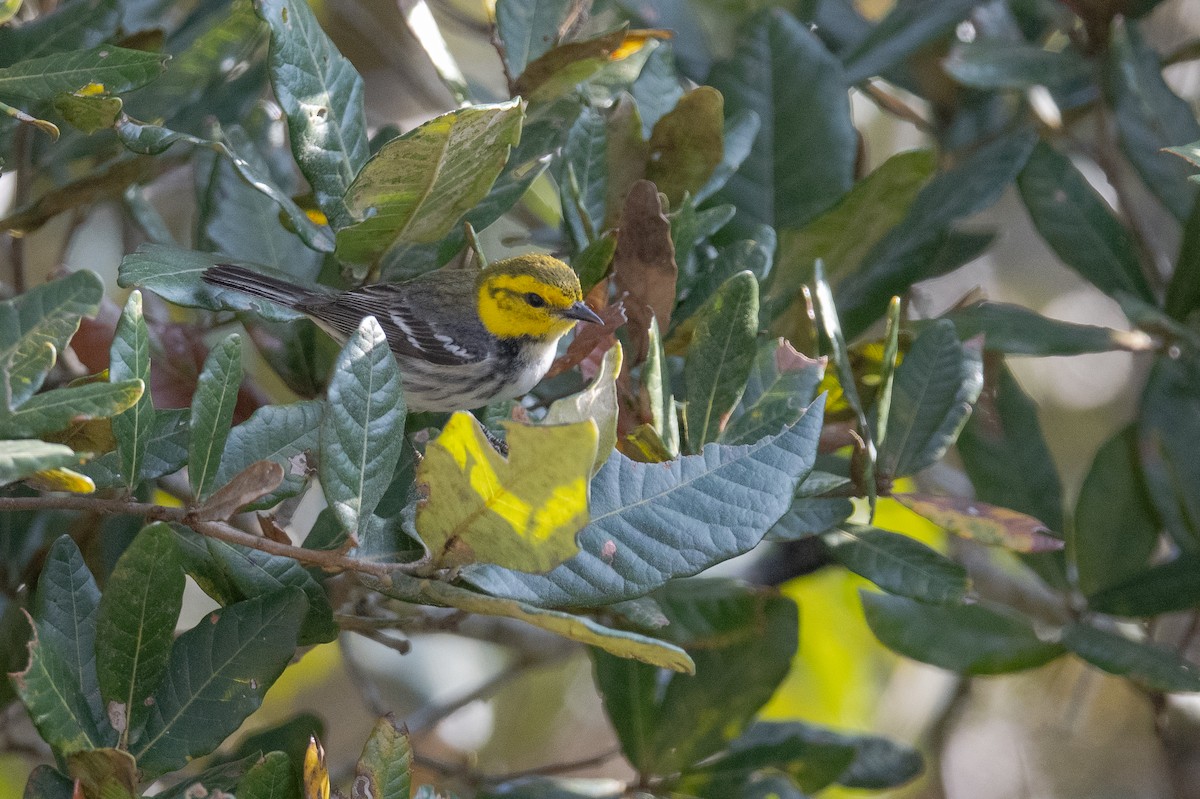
[{"x": 462, "y": 338}]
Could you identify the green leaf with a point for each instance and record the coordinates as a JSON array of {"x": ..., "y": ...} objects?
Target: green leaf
[
  {"x": 386, "y": 761},
  {"x": 153, "y": 140},
  {"x": 931, "y": 400},
  {"x": 221, "y": 777},
  {"x": 59, "y": 686},
  {"x": 1168, "y": 427},
  {"x": 687, "y": 144},
  {"x": 657, "y": 89},
  {"x": 212, "y": 413},
  {"x": 116, "y": 69},
  {"x": 1004, "y": 64},
  {"x": 972, "y": 639},
  {"x": 273, "y": 777},
  {"x": 874, "y": 206},
  {"x": 46, "y": 783},
  {"x": 753, "y": 255},
  {"x": 88, "y": 114},
  {"x": 597, "y": 402},
  {"x": 739, "y": 134},
  {"x": 720, "y": 358},
  {"x": 782, "y": 72},
  {"x": 166, "y": 451},
  {"x": 780, "y": 386},
  {"x": 527, "y": 29},
  {"x": 285, "y": 434},
  {"x": 811, "y": 757},
  {"x": 742, "y": 640},
  {"x": 832, "y": 326},
  {"x": 360, "y": 438},
  {"x": 1163, "y": 588},
  {"x": 1078, "y": 225},
  {"x": 569, "y": 625},
  {"x": 1149, "y": 117},
  {"x": 217, "y": 675},
  {"x": 322, "y": 95},
  {"x": 53, "y": 410},
  {"x": 898, "y": 564},
  {"x": 174, "y": 274},
  {"x": 656, "y": 386},
  {"x": 129, "y": 359},
  {"x": 41, "y": 321},
  {"x": 70, "y": 26},
  {"x": 1006, "y": 456},
  {"x": 903, "y": 255},
  {"x": 253, "y": 573},
  {"x": 520, "y": 513},
  {"x": 418, "y": 186},
  {"x": 21, "y": 458},
  {"x": 1156, "y": 667},
  {"x": 241, "y": 221},
  {"x": 1114, "y": 530},
  {"x": 651, "y": 522},
  {"x": 136, "y": 623},
  {"x": 907, "y": 28},
  {"x": 1183, "y": 292},
  {"x": 1016, "y": 330},
  {"x": 583, "y": 176},
  {"x": 810, "y": 513}
]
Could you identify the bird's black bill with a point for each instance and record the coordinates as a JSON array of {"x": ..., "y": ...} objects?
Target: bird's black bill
[{"x": 582, "y": 313}]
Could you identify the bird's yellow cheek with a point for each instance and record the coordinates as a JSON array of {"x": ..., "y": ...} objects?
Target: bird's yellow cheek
[{"x": 509, "y": 316}]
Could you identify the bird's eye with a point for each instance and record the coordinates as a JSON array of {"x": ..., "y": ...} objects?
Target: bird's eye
[{"x": 535, "y": 300}]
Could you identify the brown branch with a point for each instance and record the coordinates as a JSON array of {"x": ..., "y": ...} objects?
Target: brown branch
[{"x": 222, "y": 531}]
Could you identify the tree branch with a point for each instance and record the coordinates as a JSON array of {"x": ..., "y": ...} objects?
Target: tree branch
[{"x": 222, "y": 531}]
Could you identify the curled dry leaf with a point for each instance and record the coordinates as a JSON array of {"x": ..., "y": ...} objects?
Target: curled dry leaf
[
  {"x": 644, "y": 267},
  {"x": 256, "y": 480},
  {"x": 987, "y": 524}
]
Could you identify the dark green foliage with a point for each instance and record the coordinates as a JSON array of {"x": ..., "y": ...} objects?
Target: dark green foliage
[{"x": 781, "y": 371}]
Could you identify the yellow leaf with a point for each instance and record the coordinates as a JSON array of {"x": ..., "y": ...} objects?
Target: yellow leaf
[
  {"x": 8, "y": 9},
  {"x": 521, "y": 513},
  {"x": 61, "y": 479},
  {"x": 597, "y": 402},
  {"x": 316, "y": 775}
]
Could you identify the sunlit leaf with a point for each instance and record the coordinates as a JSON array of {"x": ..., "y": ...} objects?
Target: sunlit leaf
[
  {"x": 116, "y": 68},
  {"x": 55, "y": 409},
  {"x": 597, "y": 402},
  {"x": 522, "y": 512}
]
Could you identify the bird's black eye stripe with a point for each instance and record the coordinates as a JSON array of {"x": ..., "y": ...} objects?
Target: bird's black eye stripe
[{"x": 536, "y": 300}]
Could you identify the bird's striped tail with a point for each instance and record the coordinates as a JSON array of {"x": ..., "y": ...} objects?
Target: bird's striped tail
[{"x": 239, "y": 278}]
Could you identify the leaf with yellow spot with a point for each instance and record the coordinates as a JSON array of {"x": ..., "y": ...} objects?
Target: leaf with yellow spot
[
  {"x": 316, "y": 774},
  {"x": 597, "y": 402},
  {"x": 987, "y": 524},
  {"x": 521, "y": 512}
]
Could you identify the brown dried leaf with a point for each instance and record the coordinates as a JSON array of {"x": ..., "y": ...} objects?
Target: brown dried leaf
[
  {"x": 256, "y": 480},
  {"x": 644, "y": 267},
  {"x": 979, "y": 521}
]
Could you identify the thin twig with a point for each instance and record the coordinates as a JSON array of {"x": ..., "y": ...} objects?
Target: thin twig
[
  {"x": 222, "y": 531},
  {"x": 474, "y": 778},
  {"x": 427, "y": 717}
]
